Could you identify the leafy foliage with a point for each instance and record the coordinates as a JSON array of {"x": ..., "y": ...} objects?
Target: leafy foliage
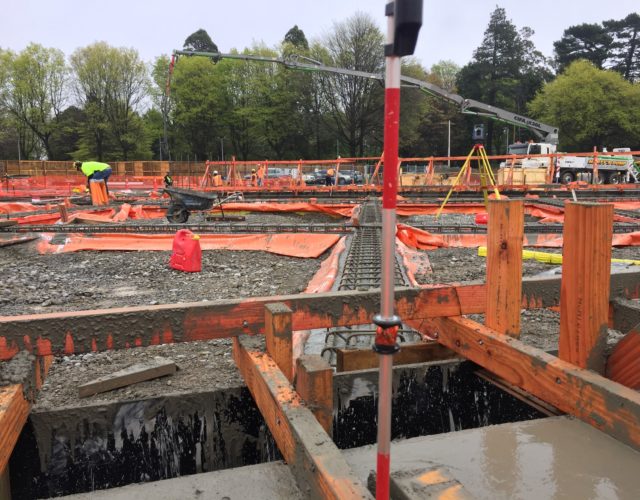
[
  {"x": 200, "y": 41},
  {"x": 506, "y": 70},
  {"x": 592, "y": 107}
]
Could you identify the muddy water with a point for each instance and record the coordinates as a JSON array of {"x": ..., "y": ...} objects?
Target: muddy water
[{"x": 554, "y": 457}]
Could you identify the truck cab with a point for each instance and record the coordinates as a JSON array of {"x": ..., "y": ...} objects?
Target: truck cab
[{"x": 530, "y": 148}]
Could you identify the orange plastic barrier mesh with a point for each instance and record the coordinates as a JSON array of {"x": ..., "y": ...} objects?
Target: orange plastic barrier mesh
[
  {"x": 415, "y": 262},
  {"x": 307, "y": 245},
  {"x": 337, "y": 210},
  {"x": 11, "y": 207},
  {"x": 325, "y": 277},
  {"x": 423, "y": 240}
]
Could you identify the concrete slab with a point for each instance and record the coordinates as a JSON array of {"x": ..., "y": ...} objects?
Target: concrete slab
[
  {"x": 257, "y": 482},
  {"x": 555, "y": 457}
]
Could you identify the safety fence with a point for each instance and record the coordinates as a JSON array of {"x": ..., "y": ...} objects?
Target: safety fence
[{"x": 415, "y": 171}]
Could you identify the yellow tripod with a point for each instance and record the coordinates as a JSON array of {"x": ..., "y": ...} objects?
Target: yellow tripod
[{"x": 486, "y": 174}]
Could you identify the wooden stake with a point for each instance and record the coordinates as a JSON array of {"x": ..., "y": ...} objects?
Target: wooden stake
[
  {"x": 504, "y": 266},
  {"x": 314, "y": 384},
  {"x": 584, "y": 292},
  {"x": 278, "y": 332}
]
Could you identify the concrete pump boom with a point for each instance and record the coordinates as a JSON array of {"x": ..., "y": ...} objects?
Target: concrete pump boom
[{"x": 546, "y": 133}]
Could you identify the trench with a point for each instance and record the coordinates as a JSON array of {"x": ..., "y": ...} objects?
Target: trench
[{"x": 86, "y": 448}]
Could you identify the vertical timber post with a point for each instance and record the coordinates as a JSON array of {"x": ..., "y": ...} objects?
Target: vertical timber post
[
  {"x": 584, "y": 292},
  {"x": 504, "y": 266},
  {"x": 314, "y": 384},
  {"x": 278, "y": 333}
]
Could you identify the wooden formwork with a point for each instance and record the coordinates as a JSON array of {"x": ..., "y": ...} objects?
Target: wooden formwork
[{"x": 296, "y": 403}]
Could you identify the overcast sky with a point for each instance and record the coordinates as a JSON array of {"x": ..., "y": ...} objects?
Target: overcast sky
[{"x": 451, "y": 29}]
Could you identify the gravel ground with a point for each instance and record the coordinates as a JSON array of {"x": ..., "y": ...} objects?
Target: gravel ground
[
  {"x": 200, "y": 364},
  {"x": 92, "y": 280},
  {"x": 87, "y": 280}
]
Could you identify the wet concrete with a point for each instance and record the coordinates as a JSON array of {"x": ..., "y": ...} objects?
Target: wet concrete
[
  {"x": 550, "y": 458},
  {"x": 256, "y": 482}
]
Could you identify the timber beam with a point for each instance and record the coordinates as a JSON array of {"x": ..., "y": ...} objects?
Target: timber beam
[
  {"x": 598, "y": 401},
  {"x": 317, "y": 464},
  {"x": 118, "y": 328}
]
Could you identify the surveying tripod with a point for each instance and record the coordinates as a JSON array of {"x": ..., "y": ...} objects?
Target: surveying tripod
[{"x": 486, "y": 175}]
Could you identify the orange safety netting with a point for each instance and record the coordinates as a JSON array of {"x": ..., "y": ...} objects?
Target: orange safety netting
[
  {"x": 450, "y": 208},
  {"x": 11, "y": 207},
  {"x": 325, "y": 277},
  {"x": 415, "y": 262},
  {"x": 337, "y": 210},
  {"x": 423, "y": 240},
  {"x": 291, "y": 244}
]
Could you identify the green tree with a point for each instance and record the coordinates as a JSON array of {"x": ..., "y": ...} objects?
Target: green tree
[
  {"x": 65, "y": 139},
  {"x": 295, "y": 36},
  {"x": 200, "y": 41},
  {"x": 110, "y": 85},
  {"x": 625, "y": 51},
  {"x": 584, "y": 41},
  {"x": 356, "y": 104},
  {"x": 506, "y": 69},
  {"x": 591, "y": 107},
  {"x": 35, "y": 82},
  {"x": 198, "y": 97}
]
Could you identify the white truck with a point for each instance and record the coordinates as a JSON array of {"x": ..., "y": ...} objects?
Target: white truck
[{"x": 615, "y": 168}]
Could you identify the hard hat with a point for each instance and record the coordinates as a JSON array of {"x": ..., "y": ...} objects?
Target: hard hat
[
  {"x": 215, "y": 172},
  {"x": 253, "y": 170}
]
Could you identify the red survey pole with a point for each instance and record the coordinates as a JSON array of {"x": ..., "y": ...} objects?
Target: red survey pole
[{"x": 404, "y": 18}]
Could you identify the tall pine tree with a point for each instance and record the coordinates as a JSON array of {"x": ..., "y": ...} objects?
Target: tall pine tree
[{"x": 506, "y": 70}]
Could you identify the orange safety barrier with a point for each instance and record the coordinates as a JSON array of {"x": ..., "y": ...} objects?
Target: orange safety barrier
[
  {"x": 11, "y": 207},
  {"x": 423, "y": 240},
  {"x": 306, "y": 245},
  {"x": 415, "y": 262},
  {"x": 325, "y": 277},
  {"x": 337, "y": 210}
]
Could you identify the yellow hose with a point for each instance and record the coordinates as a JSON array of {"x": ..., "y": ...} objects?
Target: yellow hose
[{"x": 553, "y": 258}]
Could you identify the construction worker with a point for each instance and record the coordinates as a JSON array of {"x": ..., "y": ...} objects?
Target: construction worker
[
  {"x": 261, "y": 173},
  {"x": 254, "y": 177},
  {"x": 168, "y": 180},
  {"x": 217, "y": 179},
  {"x": 329, "y": 178},
  {"x": 95, "y": 171}
]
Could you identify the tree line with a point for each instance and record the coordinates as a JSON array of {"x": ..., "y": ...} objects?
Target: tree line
[{"x": 105, "y": 103}]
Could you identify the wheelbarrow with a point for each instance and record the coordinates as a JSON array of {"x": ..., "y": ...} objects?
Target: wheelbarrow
[{"x": 185, "y": 201}]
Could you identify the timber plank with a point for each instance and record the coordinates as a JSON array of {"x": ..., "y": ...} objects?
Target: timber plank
[
  {"x": 128, "y": 376},
  {"x": 348, "y": 360},
  {"x": 602, "y": 403},
  {"x": 504, "y": 266},
  {"x": 86, "y": 331},
  {"x": 317, "y": 464},
  {"x": 14, "y": 410},
  {"x": 586, "y": 270}
]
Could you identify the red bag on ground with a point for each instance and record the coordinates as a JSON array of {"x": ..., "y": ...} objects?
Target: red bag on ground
[{"x": 187, "y": 255}]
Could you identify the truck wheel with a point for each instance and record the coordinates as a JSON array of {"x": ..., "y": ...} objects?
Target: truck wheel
[
  {"x": 614, "y": 178},
  {"x": 567, "y": 177},
  {"x": 177, "y": 213}
]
